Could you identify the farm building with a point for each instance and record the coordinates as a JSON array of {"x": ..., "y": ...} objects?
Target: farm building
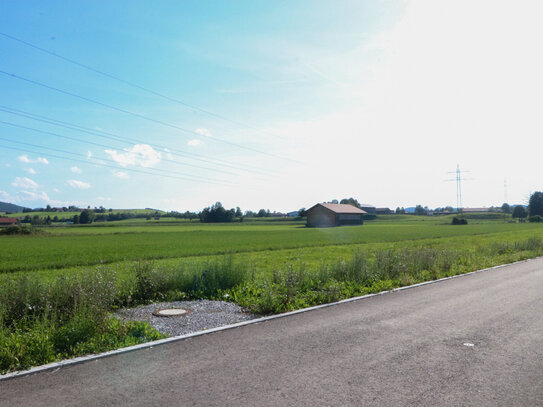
[
  {"x": 475, "y": 210},
  {"x": 327, "y": 214},
  {"x": 8, "y": 221},
  {"x": 367, "y": 208}
]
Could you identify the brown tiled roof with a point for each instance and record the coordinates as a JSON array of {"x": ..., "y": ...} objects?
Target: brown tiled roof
[
  {"x": 342, "y": 208},
  {"x": 8, "y": 220}
]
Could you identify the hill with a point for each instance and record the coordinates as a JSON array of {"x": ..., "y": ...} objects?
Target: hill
[{"x": 8, "y": 207}]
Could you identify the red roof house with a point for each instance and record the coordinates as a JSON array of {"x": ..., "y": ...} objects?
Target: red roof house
[{"x": 8, "y": 221}]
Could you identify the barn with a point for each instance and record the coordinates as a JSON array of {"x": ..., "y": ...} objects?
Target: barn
[{"x": 328, "y": 214}]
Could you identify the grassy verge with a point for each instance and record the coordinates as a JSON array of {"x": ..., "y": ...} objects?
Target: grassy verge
[{"x": 48, "y": 319}]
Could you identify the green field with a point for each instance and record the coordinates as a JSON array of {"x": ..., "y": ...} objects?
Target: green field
[
  {"x": 58, "y": 286},
  {"x": 103, "y": 243}
]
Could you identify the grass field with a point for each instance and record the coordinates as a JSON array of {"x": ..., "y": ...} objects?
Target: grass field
[
  {"x": 68, "y": 279},
  {"x": 103, "y": 243}
]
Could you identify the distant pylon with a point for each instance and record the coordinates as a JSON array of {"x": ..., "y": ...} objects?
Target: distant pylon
[{"x": 458, "y": 180}]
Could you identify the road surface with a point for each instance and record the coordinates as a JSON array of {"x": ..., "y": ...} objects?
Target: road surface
[{"x": 470, "y": 341}]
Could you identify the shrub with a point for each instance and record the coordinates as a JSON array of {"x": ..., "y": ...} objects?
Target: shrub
[
  {"x": 535, "y": 218},
  {"x": 18, "y": 230},
  {"x": 459, "y": 221}
]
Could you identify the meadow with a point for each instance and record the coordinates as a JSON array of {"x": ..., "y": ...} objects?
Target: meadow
[
  {"x": 88, "y": 245},
  {"x": 59, "y": 286}
]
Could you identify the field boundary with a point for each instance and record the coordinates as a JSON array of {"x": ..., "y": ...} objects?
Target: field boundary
[{"x": 148, "y": 345}]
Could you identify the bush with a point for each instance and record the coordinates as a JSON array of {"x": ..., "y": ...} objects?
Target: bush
[
  {"x": 535, "y": 218},
  {"x": 459, "y": 221},
  {"x": 17, "y": 230}
]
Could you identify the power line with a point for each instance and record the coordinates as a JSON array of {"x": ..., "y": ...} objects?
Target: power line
[
  {"x": 92, "y": 143},
  {"x": 135, "y": 85},
  {"x": 115, "y": 137},
  {"x": 97, "y": 164},
  {"x": 141, "y": 116}
]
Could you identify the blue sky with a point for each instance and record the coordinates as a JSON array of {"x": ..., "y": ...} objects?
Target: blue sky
[{"x": 297, "y": 102}]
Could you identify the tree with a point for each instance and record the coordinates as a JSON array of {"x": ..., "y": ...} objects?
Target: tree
[
  {"x": 302, "y": 212},
  {"x": 506, "y": 208},
  {"x": 86, "y": 217},
  {"x": 350, "y": 201},
  {"x": 400, "y": 210},
  {"x": 261, "y": 213},
  {"x": 238, "y": 214},
  {"x": 519, "y": 212},
  {"x": 535, "y": 205},
  {"x": 419, "y": 210},
  {"x": 217, "y": 213}
]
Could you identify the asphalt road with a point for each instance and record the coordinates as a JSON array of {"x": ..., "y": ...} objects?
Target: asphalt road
[{"x": 399, "y": 349}]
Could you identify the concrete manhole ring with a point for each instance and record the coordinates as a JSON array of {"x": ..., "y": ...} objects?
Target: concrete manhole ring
[{"x": 171, "y": 312}]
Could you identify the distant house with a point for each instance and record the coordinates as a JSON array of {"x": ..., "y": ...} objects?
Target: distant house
[
  {"x": 292, "y": 214},
  {"x": 475, "y": 210},
  {"x": 367, "y": 208},
  {"x": 327, "y": 214},
  {"x": 383, "y": 211},
  {"x": 8, "y": 221}
]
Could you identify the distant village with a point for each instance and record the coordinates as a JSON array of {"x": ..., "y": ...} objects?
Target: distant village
[{"x": 348, "y": 211}]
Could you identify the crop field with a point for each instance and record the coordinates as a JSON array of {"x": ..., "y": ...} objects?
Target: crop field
[
  {"x": 90, "y": 245},
  {"x": 58, "y": 286}
]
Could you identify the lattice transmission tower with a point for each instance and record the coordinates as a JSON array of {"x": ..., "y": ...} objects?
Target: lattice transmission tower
[{"x": 458, "y": 180}]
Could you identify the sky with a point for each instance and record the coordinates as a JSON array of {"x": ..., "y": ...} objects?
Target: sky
[{"x": 276, "y": 105}]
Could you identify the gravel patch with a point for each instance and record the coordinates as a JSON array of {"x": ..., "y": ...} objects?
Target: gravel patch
[{"x": 203, "y": 314}]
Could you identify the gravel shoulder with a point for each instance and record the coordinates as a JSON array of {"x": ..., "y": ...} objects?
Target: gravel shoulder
[{"x": 202, "y": 315}]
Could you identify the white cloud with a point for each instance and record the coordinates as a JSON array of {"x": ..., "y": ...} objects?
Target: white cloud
[
  {"x": 76, "y": 169},
  {"x": 89, "y": 154},
  {"x": 31, "y": 171},
  {"x": 25, "y": 159},
  {"x": 6, "y": 197},
  {"x": 140, "y": 154},
  {"x": 56, "y": 190},
  {"x": 24, "y": 182},
  {"x": 78, "y": 184},
  {"x": 194, "y": 142},
  {"x": 121, "y": 174}
]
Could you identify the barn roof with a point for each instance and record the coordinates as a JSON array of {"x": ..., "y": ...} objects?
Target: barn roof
[
  {"x": 8, "y": 220},
  {"x": 341, "y": 208}
]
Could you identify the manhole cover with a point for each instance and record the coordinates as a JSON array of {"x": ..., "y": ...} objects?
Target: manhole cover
[{"x": 171, "y": 312}]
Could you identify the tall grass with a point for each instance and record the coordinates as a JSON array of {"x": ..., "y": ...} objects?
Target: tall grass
[{"x": 367, "y": 272}]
